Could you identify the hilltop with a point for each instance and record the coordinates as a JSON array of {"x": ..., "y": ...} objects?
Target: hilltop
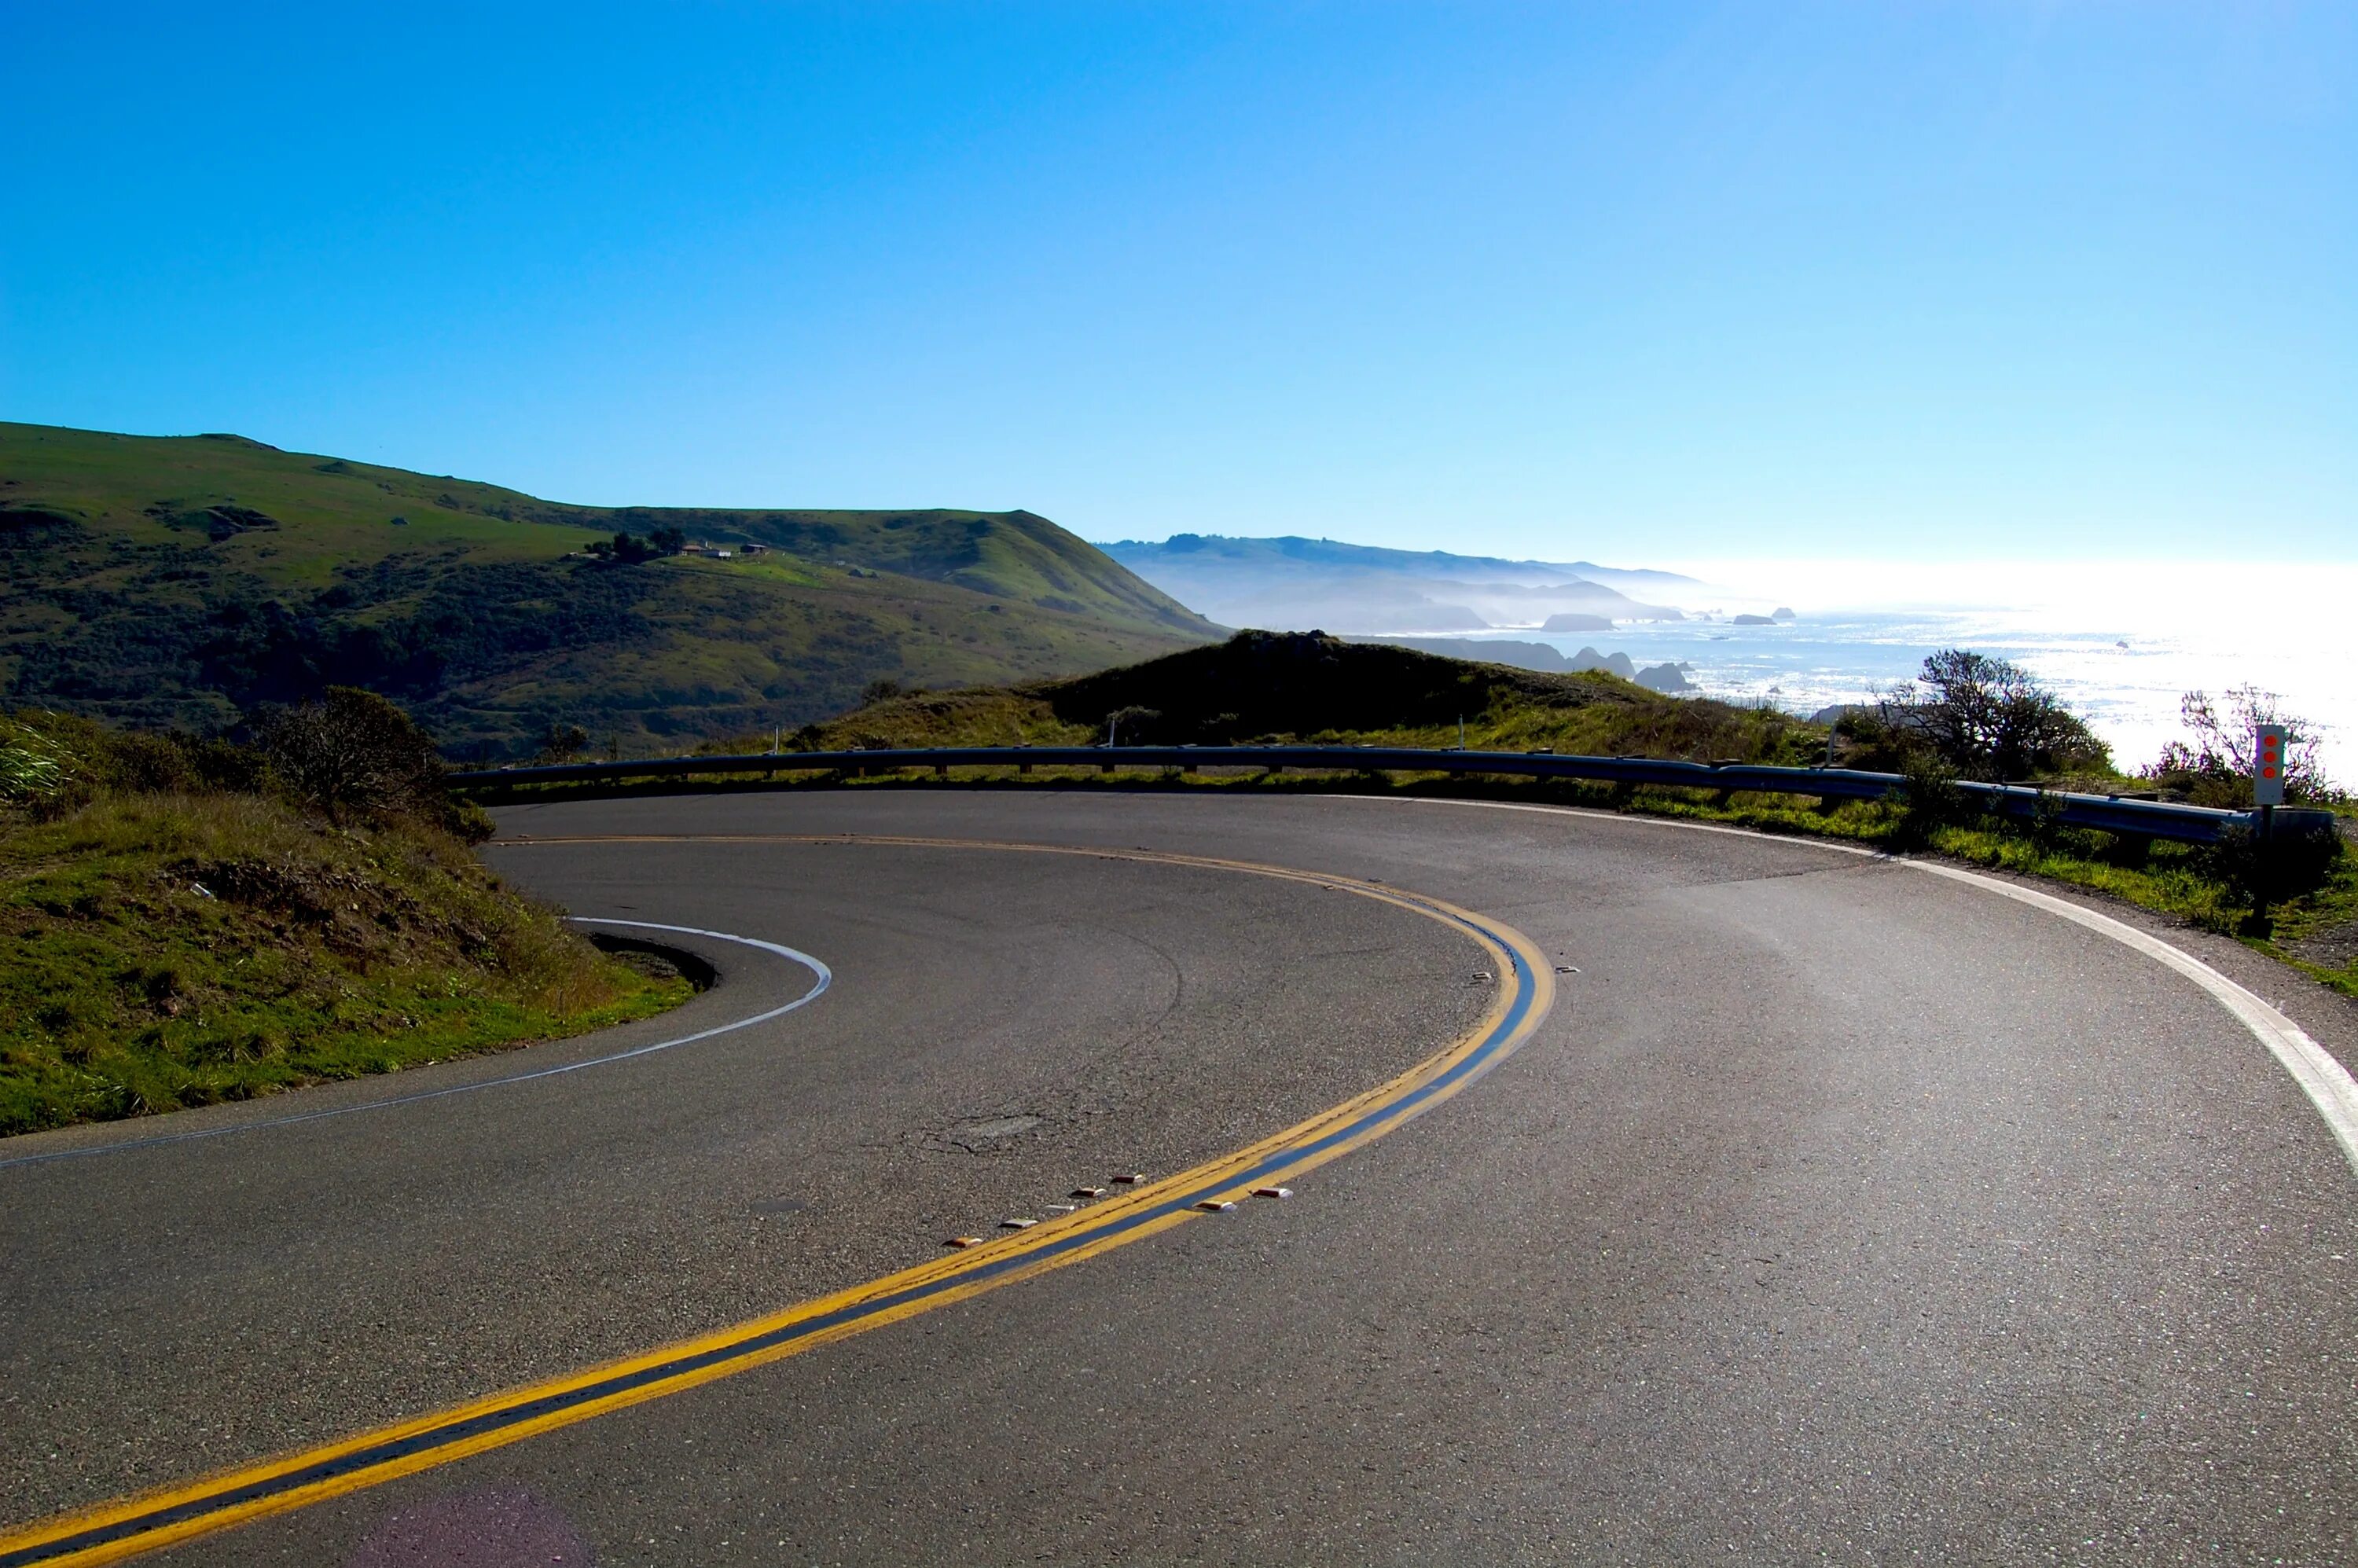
[
  {"x": 1279, "y": 688},
  {"x": 177, "y": 580}
]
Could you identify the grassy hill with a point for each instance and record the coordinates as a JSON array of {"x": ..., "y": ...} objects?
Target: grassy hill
[
  {"x": 178, "y": 579},
  {"x": 176, "y": 929},
  {"x": 1275, "y": 688}
]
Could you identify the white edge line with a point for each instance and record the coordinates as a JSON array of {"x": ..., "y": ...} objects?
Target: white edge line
[
  {"x": 2326, "y": 1081},
  {"x": 823, "y": 978}
]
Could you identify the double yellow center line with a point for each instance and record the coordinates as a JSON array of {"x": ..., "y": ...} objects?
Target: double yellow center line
[{"x": 114, "y": 1530}]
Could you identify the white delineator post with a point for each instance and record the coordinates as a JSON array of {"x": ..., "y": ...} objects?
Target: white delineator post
[
  {"x": 2267, "y": 793},
  {"x": 2267, "y": 764}
]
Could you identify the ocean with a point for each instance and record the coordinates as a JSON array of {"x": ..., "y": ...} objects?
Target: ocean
[{"x": 2121, "y": 644}]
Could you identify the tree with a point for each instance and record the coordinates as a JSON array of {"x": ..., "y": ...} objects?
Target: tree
[
  {"x": 1988, "y": 718},
  {"x": 1139, "y": 721},
  {"x": 354, "y": 752},
  {"x": 562, "y": 742},
  {"x": 629, "y": 550}
]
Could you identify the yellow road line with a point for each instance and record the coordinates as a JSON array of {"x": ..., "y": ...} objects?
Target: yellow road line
[{"x": 111, "y": 1532}]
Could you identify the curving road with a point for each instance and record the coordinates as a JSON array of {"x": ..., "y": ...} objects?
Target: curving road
[{"x": 1826, "y": 1209}]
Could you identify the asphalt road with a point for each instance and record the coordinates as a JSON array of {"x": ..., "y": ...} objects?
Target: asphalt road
[{"x": 1834, "y": 1211}]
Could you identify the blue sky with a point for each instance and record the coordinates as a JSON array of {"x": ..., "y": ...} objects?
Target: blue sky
[{"x": 1634, "y": 282}]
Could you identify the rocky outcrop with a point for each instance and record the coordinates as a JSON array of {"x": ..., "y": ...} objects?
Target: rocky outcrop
[
  {"x": 1590, "y": 659},
  {"x": 1520, "y": 656},
  {"x": 1667, "y": 678}
]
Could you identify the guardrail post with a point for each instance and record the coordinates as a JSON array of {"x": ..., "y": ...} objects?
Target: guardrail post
[{"x": 2264, "y": 873}]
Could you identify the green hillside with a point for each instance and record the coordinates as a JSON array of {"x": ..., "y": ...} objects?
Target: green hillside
[
  {"x": 161, "y": 580},
  {"x": 1279, "y": 688}
]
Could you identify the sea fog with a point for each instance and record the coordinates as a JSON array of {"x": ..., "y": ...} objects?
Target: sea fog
[{"x": 2121, "y": 643}]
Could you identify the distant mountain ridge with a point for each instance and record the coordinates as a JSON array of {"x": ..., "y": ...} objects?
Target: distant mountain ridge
[
  {"x": 1299, "y": 584},
  {"x": 174, "y": 580}
]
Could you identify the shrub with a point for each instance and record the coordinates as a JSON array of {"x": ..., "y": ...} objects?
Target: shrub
[
  {"x": 562, "y": 743},
  {"x": 629, "y": 550},
  {"x": 1139, "y": 723},
  {"x": 2047, "y": 828},
  {"x": 1987, "y": 719},
  {"x": 353, "y": 752},
  {"x": 1929, "y": 801},
  {"x": 1876, "y": 741},
  {"x": 2275, "y": 871}
]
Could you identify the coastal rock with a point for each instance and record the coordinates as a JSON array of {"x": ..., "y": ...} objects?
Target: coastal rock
[
  {"x": 1521, "y": 656},
  {"x": 1668, "y": 678},
  {"x": 1532, "y": 656},
  {"x": 1574, "y": 621},
  {"x": 1590, "y": 659}
]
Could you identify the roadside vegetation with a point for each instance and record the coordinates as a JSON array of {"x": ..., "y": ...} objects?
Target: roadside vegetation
[
  {"x": 186, "y": 921},
  {"x": 1968, "y": 717}
]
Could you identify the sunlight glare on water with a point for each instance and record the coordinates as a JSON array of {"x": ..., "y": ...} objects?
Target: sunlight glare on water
[{"x": 2120, "y": 644}]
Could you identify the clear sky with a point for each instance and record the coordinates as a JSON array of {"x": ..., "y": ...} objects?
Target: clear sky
[{"x": 1635, "y": 282}]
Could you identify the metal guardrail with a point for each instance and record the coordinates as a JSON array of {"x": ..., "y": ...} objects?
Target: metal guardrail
[{"x": 2114, "y": 814}]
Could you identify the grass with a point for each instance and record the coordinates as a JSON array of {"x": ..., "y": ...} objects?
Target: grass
[
  {"x": 179, "y": 581},
  {"x": 161, "y": 950},
  {"x": 2318, "y": 934}
]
